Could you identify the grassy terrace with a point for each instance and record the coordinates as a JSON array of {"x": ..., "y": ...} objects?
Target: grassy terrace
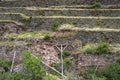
[
  {"x": 34, "y": 34},
  {"x": 80, "y": 21},
  {"x": 87, "y": 6},
  {"x": 37, "y": 11},
  {"x": 85, "y": 34},
  {"x": 87, "y": 17},
  {"x": 48, "y": 21},
  {"x": 10, "y": 43},
  {"x": 77, "y": 17}
]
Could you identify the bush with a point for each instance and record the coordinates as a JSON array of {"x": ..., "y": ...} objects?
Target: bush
[
  {"x": 67, "y": 62},
  {"x": 4, "y": 63},
  {"x": 118, "y": 60},
  {"x": 96, "y": 4},
  {"x": 103, "y": 48},
  {"x": 91, "y": 74},
  {"x": 47, "y": 37},
  {"x": 66, "y": 54},
  {"x": 28, "y": 43},
  {"x": 100, "y": 48},
  {"x": 89, "y": 48},
  {"x": 55, "y": 26},
  {"x": 112, "y": 72}
]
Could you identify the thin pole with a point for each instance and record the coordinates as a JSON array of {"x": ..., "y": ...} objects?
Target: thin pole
[
  {"x": 13, "y": 61},
  {"x": 62, "y": 67},
  {"x": 61, "y": 49}
]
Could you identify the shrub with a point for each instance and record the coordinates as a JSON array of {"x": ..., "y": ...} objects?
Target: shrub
[
  {"x": 55, "y": 26},
  {"x": 100, "y": 48},
  {"x": 103, "y": 48},
  {"x": 89, "y": 48},
  {"x": 67, "y": 62},
  {"x": 28, "y": 43},
  {"x": 118, "y": 60},
  {"x": 91, "y": 74},
  {"x": 96, "y": 4},
  {"x": 4, "y": 63},
  {"x": 47, "y": 37},
  {"x": 66, "y": 54},
  {"x": 112, "y": 72}
]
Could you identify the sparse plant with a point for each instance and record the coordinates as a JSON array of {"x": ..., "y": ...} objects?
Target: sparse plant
[
  {"x": 55, "y": 26},
  {"x": 89, "y": 48},
  {"x": 47, "y": 37},
  {"x": 4, "y": 63},
  {"x": 67, "y": 62},
  {"x": 28, "y": 43},
  {"x": 66, "y": 54},
  {"x": 73, "y": 23},
  {"x": 112, "y": 72},
  {"x": 96, "y": 4},
  {"x": 103, "y": 48},
  {"x": 118, "y": 60},
  {"x": 100, "y": 48}
]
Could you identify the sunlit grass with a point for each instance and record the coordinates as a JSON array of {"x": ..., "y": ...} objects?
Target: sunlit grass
[{"x": 34, "y": 34}]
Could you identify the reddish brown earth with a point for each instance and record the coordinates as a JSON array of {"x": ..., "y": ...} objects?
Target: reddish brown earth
[{"x": 10, "y": 27}]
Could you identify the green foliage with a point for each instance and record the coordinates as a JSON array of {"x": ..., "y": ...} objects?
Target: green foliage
[
  {"x": 33, "y": 70},
  {"x": 100, "y": 48},
  {"x": 118, "y": 59},
  {"x": 73, "y": 23},
  {"x": 28, "y": 43},
  {"x": 91, "y": 74},
  {"x": 96, "y": 4},
  {"x": 103, "y": 48},
  {"x": 55, "y": 26},
  {"x": 112, "y": 72},
  {"x": 66, "y": 54},
  {"x": 89, "y": 48},
  {"x": 4, "y": 63},
  {"x": 32, "y": 64},
  {"x": 47, "y": 37},
  {"x": 13, "y": 76},
  {"x": 67, "y": 62},
  {"x": 51, "y": 77}
]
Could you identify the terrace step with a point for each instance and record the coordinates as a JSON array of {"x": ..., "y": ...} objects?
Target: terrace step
[
  {"x": 84, "y": 34},
  {"x": 87, "y": 6},
  {"x": 54, "y": 2},
  {"x": 38, "y": 11},
  {"x": 11, "y": 21},
  {"x": 47, "y": 22},
  {"x": 13, "y": 16},
  {"x": 91, "y": 36}
]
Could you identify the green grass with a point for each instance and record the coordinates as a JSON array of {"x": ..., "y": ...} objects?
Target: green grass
[
  {"x": 34, "y": 34},
  {"x": 100, "y": 48}
]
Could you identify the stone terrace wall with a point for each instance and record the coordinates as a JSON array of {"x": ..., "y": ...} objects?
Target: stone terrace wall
[{"x": 24, "y": 3}]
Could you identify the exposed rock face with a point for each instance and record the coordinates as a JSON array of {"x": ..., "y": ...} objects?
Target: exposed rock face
[
  {"x": 9, "y": 28},
  {"x": 47, "y": 52}
]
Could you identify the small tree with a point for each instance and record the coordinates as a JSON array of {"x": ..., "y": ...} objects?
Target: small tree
[{"x": 32, "y": 65}]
